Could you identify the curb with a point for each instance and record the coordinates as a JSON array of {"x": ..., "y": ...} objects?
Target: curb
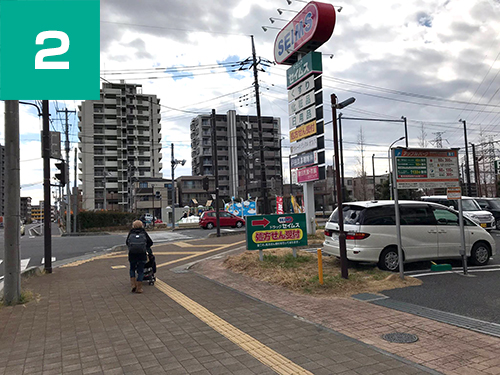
[{"x": 222, "y": 234}]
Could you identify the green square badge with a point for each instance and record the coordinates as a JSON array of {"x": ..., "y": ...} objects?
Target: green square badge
[{"x": 49, "y": 50}]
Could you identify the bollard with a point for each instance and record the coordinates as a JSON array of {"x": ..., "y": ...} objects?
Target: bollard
[{"x": 320, "y": 267}]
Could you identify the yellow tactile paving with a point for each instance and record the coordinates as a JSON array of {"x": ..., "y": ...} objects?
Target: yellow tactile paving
[
  {"x": 79, "y": 262},
  {"x": 267, "y": 356},
  {"x": 198, "y": 254},
  {"x": 186, "y": 244}
]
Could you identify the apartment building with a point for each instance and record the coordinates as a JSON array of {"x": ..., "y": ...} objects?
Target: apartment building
[
  {"x": 238, "y": 153},
  {"x": 119, "y": 143},
  {"x": 26, "y": 209}
]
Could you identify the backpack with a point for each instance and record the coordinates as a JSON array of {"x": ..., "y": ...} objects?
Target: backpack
[{"x": 137, "y": 243}]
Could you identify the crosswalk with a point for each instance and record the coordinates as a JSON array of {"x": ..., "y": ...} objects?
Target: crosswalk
[
  {"x": 24, "y": 265},
  {"x": 167, "y": 237}
]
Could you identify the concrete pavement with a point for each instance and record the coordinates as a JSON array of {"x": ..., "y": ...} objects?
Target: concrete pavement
[{"x": 85, "y": 320}]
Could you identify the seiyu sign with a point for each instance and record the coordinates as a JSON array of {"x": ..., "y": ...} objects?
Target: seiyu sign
[{"x": 307, "y": 31}]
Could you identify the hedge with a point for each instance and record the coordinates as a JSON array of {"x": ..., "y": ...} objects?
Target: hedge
[{"x": 101, "y": 219}]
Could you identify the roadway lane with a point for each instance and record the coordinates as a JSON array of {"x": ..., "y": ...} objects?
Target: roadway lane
[{"x": 32, "y": 249}]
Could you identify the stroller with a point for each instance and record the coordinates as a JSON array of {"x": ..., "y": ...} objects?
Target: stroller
[{"x": 150, "y": 270}]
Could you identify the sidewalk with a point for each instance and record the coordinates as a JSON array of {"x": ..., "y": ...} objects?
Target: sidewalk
[{"x": 84, "y": 320}]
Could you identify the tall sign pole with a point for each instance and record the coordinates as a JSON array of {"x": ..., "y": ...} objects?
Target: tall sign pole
[
  {"x": 47, "y": 233},
  {"x": 295, "y": 45},
  {"x": 12, "y": 266}
]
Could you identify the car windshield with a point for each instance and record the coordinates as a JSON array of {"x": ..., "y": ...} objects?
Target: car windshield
[
  {"x": 470, "y": 205},
  {"x": 495, "y": 203},
  {"x": 351, "y": 214}
]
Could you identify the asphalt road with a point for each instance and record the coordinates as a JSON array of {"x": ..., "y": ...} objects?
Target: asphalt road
[
  {"x": 475, "y": 296},
  {"x": 32, "y": 247}
]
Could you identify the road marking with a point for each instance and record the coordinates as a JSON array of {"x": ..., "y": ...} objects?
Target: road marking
[
  {"x": 118, "y": 267},
  {"x": 198, "y": 254},
  {"x": 24, "y": 264},
  {"x": 53, "y": 260},
  {"x": 163, "y": 253},
  {"x": 255, "y": 348},
  {"x": 455, "y": 270}
]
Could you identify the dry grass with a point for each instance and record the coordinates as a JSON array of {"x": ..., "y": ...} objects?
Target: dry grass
[
  {"x": 301, "y": 274},
  {"x": 25, "y": 297}
]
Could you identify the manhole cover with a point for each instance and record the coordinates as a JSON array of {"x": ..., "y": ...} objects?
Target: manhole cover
[{"x": 400, "y": 337}]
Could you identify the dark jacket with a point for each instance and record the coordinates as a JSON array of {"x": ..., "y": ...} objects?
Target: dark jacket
[{"x": 135, "y": 257}]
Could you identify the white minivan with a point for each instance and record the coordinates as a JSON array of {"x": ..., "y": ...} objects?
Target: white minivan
[
  {"x": 470, "y": 208},
  {"x": 429, "y": 231}
]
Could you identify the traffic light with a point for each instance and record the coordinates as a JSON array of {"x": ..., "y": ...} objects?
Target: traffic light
[
  {"x": 205, "y": 183},
  {"x": 62, "y": 176},
  {"x": 158, "y": 195}
]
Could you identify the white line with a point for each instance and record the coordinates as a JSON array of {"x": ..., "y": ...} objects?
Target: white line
[
  {"x": 455, "y": 270},
  {"x": 53, "y": 259},
  {"x": 24, "y": 264}
]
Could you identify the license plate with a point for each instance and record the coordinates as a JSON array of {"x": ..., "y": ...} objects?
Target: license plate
[{"x": 483, "y": 225}]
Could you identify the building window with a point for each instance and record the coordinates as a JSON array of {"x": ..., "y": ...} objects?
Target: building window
[{"x": 143, "y": 184}]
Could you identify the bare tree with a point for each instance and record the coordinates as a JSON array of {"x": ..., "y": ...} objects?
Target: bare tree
[
  {"x": 422, "y": 139},
  {"x": 360, "y": 169}
]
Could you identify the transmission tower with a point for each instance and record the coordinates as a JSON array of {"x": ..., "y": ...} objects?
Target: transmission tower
[{"x": 438, "y": 141}]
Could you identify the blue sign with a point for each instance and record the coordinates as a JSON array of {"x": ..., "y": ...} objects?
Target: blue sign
[{"x": 248, "y": 208}]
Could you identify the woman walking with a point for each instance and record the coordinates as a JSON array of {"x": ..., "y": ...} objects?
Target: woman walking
[{"x": 139, "y": 245}]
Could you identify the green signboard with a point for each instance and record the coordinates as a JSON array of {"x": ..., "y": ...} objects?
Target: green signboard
[
  {"x": 268, "y": 231},
  {"x": 309, "y": 64}
]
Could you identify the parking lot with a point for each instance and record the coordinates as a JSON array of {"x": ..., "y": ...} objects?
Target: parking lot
[{"x": 475, "y": 296}]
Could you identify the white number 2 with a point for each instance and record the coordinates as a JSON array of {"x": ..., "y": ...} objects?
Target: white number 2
[{"x": 40, "y": 38}]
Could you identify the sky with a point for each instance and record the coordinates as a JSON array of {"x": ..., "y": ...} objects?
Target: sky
[{"x": 433, "y": 61}]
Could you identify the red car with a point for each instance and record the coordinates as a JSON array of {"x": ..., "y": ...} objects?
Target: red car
[{"x": 227, "y": 219}]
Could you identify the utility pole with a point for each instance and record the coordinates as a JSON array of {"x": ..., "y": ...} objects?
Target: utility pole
[
  {"x": 47, "y": 233},
  {"x": 373, "y": 173},
  {"x": 341, "y": 155},
  {"x": 75, "y": 198},
  {"x": 216, "y": 169},
  {"x": 467, "y": 168},
  {"x": 263, "y": 180},
  {"x": 68, "y": 185},
  {"x": 105, "y": 205},
  {"x": 12, "y": 266},
  {"x": 477, "y": 178},
  {"x": 173, "y": 189}
]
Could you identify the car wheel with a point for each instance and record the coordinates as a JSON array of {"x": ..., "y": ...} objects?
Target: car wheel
[
  {"x": 209, "y": 226},
  {"x": 389, "y": 259},
  {"x": 239, "y": 224},
  {"x": 480, "y": 254}
]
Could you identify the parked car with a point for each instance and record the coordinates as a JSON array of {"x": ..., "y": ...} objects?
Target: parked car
[
  {"x": 148, "y": 217},
  {"x": 429, "y": 231},
  {"x": 492, "y": 205},
  {"x": 470, "y": 207},
  {"x": 208, "y": 220}
]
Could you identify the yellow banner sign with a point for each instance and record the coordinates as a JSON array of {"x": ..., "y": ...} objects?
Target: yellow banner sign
[{"x": 303, "y": 131}]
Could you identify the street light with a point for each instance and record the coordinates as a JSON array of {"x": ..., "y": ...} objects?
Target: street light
[
  {"x": 265, "y": 28},
  {"x": 272, "y": 19},
  {"x": 342, "y": 244},
  {"x": 389, "y": 158},
  {"x": 174, "y": 163}
]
